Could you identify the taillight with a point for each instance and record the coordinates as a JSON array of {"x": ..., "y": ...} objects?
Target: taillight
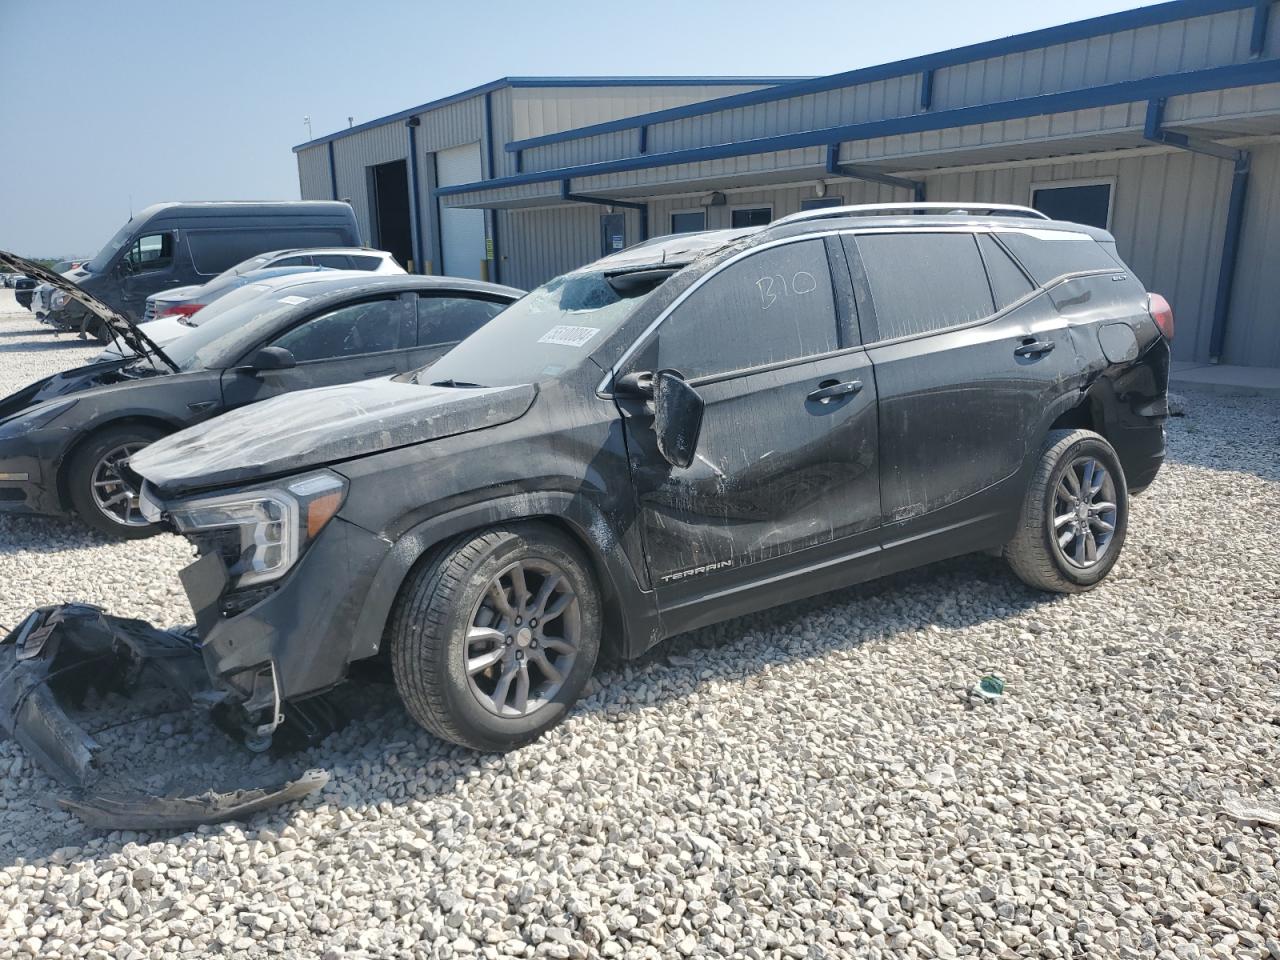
[
  {"x": 1161, "y": 313},
  {"x": 178, "y": 310}
]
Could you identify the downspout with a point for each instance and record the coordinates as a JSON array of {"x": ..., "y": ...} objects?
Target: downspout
[
  {"x": 412, "y": 123},
  {"x": 641, "y": 208},
  {"x": 1240, "y": 161},
  {"x": 854, "y": 172},
  {"x": 333, "y": 173},
  {"x": 496, "y": 273}
]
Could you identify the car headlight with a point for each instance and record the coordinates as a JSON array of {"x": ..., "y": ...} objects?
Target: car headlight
[
  {"x": 35, "y": 418},
  {"x": 261, "y": 532},
  {"x": 59, "y": 299}
]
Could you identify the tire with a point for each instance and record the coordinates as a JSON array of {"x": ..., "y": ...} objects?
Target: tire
[
  {"x": 1037, "y": 553},
  {"x": 449, "y": 597},
  {"x": 83, "y": 468}
]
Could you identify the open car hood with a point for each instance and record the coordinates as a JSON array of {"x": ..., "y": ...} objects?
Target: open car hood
[
  {"x": 121, "y": 327},
  {"x": 325, "y": 425}
]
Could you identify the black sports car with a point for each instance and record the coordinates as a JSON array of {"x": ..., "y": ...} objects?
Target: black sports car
[{"x": 64, "y": 440}]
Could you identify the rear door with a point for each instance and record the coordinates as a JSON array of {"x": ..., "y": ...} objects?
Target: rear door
[
  {"x": 965, "y": 363},
  {"x": 780, "y": 468},
  {"x": 445, "y": 319},
  {"x": 371, "y": 338}
]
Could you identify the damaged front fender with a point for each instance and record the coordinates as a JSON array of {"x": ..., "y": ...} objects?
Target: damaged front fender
[{"x": 62, "y": 654}]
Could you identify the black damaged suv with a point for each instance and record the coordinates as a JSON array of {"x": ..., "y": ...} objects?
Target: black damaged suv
[{"x": 697, "y": 427}]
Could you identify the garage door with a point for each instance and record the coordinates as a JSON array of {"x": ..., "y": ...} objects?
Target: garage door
[{"x": 461, "y": 231}]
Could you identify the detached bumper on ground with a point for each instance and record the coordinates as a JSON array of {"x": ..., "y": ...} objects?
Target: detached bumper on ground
[{"x": 64, "y": 653}]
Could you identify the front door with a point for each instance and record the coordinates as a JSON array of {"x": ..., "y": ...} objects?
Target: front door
[
  {"x": 613, "y": 233},
  {"x": 786, "y": 460},
  {"x": 360, "y": 341},
  {"x": 149, "y": 266}
]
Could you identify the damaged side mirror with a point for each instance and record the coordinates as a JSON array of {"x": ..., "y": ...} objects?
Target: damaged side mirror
[
  {"x": 677, "y": 417},
  {"x": 271, "y": 358}
]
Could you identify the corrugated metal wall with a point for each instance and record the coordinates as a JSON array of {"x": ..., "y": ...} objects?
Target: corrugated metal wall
[
  {"x": 543, "y": 243},
  {"x": 313, "y": 173},
  {"x": 353, "y": 156},
  {"x": 1253, "y": 330}
]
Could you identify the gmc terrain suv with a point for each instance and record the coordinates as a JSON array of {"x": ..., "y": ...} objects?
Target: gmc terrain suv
[{"x": 694, "y": 428}]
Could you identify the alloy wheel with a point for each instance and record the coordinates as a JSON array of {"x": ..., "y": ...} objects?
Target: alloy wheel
[
  {"x": 113, "y": 494},
  {"x": 1084, "y": 512},
  {"x": 523, "y": 638}
]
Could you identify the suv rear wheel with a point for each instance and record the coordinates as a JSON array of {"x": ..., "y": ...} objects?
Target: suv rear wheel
[
  {"x": 494, "y": 640},
  {"x": 1074, "y": 516}
]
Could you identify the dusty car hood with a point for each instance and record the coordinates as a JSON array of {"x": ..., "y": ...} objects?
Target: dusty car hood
[
  {"x": 120, "y": 325},
  {"x": 75, "y": 380},
  {"x": 310, "y": 428}
]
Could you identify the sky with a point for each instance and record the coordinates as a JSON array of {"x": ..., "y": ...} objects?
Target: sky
[{"x": 108, "y": 107}]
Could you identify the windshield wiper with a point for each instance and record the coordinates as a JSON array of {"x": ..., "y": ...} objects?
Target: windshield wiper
[{"x": 461, "y": 384}]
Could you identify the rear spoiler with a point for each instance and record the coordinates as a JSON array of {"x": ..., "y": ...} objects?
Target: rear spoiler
[{"x": 121, "y": 327}]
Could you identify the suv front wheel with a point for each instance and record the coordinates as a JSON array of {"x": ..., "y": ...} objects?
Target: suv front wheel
[
  {"x": 1074, "y": 515},
  {"x": 494, "y": 640}
]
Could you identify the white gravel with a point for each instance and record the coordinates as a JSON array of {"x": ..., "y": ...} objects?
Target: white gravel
[{"x": 815, "y": 782}]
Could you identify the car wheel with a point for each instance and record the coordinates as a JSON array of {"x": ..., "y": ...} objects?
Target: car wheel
[
  {"x": 1074, "y": 515},
  {"x": 494, "y": 640},
  {"x": 100, "y": 492}
]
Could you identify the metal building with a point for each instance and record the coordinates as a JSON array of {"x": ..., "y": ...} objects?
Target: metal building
[{"x": 1161, "y": 123}]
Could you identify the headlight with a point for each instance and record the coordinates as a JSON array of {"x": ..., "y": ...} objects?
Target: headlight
[
  {"x": 35, "y": 418},
  {"x": 262, "y": 532},
  {"x": 59, "y": 299}
]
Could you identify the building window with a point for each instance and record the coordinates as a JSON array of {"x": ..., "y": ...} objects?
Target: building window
[
  {"x": 1078, "y": 202},
  {"x": 688, "y": 221},
  {"x": 751, "y": 217},
  {"x": 819, "y": 203}
]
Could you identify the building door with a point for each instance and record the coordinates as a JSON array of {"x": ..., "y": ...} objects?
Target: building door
[
  {"x": 391, "y": 229},
  {"x": 613, "y": 233},
  {"x": 462, "y": 232}
]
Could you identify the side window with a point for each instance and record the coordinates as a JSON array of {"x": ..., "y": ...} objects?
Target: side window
[
  {"x": 213, "y": 250},
  {"x": 301, "y": 261},
  {"x": 363, "y": 263},
  {"x": 1046, "y": 260},
  {"x": 770, "y": 306},
  {"x": 450, "y": 319},
  {"x": 1008, "y": 282},
  {"x": 373, "y": 326},
  {"x": 335, "y": 261},
  {"x": 922, "y": 282},
  {"x": 152, "y": 252}
]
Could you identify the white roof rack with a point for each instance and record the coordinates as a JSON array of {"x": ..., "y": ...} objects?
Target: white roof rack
[{"x": 863, "y": 209}]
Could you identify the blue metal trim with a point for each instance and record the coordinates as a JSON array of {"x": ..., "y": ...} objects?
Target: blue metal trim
[
  {"x": 1125, "y": 91},
  {"x": 412, "y": 124},
  {"x": 1065, "y": 33},
  {"x": 541, "y": 82},
  {"x": 855, "y": 172},
  {"x": 1258, "y": 36},
  {"x": 519, "y": 161},
  {"x": 333, "y": 173},
  {"x": 496, "y": 272},
  {"x": 926, "y": 89},
  {"x": 642, "y": 208},
  {"x": 1240, "y": 161},
  {"x": 644, "y": 139}
]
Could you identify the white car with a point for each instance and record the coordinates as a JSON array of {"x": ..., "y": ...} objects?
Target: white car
[
  {"x": 272, "y": 291},
  {"x": 187, "y": 300}
]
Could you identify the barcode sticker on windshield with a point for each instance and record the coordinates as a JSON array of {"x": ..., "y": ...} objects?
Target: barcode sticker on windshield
[
  {"x": 293, "y": 301},
  {"x": 569, "y": 336}
]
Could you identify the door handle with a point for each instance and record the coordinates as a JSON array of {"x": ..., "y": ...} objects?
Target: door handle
[
  {"x": 1033, "y": 348},
  {"x": 829, "y": 390}
]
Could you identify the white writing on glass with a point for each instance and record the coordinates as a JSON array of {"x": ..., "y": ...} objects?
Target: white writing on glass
[{"x": 776, "y": 287}]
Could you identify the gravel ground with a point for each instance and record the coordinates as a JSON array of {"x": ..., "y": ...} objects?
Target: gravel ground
[{"x": 815, "y": 782}]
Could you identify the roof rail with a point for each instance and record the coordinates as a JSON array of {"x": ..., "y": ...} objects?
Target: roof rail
[{"x": 859, "y": 209}]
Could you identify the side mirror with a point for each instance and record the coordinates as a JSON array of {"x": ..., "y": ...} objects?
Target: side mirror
[
  {"x": 272, "y": 358},
  {"x": 677, "y": 417},
  {"x": 636, "y": 384}
]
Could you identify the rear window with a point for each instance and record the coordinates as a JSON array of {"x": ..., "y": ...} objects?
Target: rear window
[
  {"x": 922, "y": 282},
  {"x": 359, "y": 262},
  {"x": 1008, "y": 282},
  {"x": 213, "y": 251},
  {"x": 1047, "y": 260}
]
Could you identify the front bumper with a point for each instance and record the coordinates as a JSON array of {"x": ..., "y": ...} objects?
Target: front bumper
[
  {"x": 66, "y": 652},
  {"x": 25, "y": 487},
  {"x": 302, "y": 631}
]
